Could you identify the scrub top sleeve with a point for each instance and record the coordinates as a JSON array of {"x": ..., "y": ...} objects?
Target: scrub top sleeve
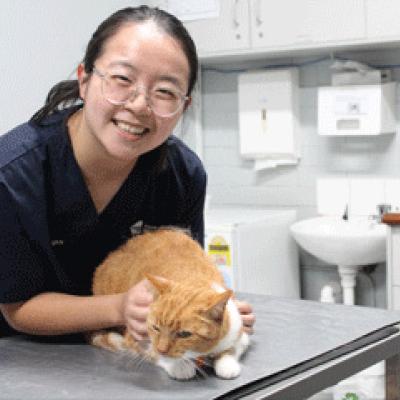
[
  {"x": 195, "y": 210},
  {"x": 21, "y": 272}
]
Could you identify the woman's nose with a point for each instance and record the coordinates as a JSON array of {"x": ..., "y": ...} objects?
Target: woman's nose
[{"x": 139, "y": 102}]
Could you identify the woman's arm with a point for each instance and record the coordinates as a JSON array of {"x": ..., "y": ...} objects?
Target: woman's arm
[{"x": 58, "y": 314}]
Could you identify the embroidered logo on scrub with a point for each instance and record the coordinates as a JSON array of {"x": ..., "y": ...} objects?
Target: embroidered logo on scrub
[{"x": 57, "y": 242}]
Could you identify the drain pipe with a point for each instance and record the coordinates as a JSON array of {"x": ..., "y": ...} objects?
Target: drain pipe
[{"x": 331, "y": 293}]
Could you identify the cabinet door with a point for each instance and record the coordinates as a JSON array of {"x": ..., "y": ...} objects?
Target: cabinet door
[
  {"x": 277, "y": 23},
  {"x": 305, "y": 22},
  {"x": 335, "y": 20},
  {"x": 383, "y": 18},
  {"x": 228, "y": 32}
]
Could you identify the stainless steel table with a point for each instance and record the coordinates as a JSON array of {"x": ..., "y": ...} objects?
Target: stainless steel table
[{"x": 299, "y": 348}]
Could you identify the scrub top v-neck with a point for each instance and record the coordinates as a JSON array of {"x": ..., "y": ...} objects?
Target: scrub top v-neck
[{"x": 52, "y": 236}]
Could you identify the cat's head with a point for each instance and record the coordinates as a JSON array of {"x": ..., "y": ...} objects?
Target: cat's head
[{"x": 186, "y": 320}]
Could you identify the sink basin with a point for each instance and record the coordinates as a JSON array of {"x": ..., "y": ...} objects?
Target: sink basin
[{"x": 336, "y": 241}]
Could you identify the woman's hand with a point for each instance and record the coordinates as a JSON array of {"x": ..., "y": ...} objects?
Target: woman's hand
[
  {"x": 248, "y": 318},
  {"x": 135, "y": 308}
]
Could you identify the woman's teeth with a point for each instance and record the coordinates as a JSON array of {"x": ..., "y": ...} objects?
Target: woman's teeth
[{"x": 131, "y": 129}]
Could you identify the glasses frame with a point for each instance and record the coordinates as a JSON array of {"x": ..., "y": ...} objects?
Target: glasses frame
[{"x": 105, "y": 77}]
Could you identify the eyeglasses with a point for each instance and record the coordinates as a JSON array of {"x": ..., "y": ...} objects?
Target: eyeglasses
[{"x": 118, "y": 89}]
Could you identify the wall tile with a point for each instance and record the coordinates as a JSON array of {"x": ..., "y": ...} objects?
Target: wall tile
[
  {"x": 392, "y": 193},
  {"x": 365, "y": 194},
  {"x": 332, "y": 196}
]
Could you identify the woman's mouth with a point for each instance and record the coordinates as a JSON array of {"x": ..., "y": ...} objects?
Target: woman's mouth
[{"x": 131, "y": 129}]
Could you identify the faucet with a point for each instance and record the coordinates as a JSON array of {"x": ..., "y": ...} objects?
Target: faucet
[
  {"x": 345, "y": 215},
  {"x": 381, "y": 210}
]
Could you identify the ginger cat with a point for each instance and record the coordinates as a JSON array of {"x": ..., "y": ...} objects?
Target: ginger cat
[{"x": 192, "y": 316}]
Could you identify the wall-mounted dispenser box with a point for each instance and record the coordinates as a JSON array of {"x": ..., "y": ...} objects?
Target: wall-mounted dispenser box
[
  {"x": 357, "y": 109},
  {"x": 268, "y": 113}
]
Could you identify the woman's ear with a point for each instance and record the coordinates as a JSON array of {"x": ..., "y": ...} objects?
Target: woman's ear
[
  {"x": 188, "y": 102},
  {"x": 82, "y": 80}
]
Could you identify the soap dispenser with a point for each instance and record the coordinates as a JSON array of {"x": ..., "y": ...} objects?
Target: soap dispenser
[{"x": 357, "y": 110}]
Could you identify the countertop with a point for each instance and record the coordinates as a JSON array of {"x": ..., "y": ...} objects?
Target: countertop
[
  {"x": 391, "y": 218},
  {"x": 291, "y": 337}
]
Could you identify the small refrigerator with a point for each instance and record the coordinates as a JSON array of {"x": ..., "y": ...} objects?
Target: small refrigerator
[{"x": 254, "y": 250}]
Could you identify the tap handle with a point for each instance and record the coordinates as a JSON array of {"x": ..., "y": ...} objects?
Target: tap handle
[
  {"x": 383, "y": 208},
  {"x": 345, "y": 215}
]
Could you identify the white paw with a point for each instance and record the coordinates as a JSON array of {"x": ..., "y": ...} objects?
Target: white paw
[
  {"x": 227, "y": 367},
  {"x": 178, "y": 369}
]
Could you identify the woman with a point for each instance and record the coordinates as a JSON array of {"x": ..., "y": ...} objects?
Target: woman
[{"x": 94, "y": 165}]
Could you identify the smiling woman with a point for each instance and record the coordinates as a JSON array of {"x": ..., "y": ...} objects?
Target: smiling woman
[{"x": 94, "y": 165}]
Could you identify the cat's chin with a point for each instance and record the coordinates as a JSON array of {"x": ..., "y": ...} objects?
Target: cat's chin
[{"x": 177, "y": 368}]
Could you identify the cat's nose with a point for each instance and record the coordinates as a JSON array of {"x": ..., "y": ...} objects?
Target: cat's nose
[{"x": 162, "y": 349}]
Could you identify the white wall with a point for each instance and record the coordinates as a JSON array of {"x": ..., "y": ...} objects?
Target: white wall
[
  {"x": 232, "y": 180},
  {"x": 41, "y": 43}
]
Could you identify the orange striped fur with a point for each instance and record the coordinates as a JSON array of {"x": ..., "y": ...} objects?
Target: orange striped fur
[{"x": 189, "y": 314}]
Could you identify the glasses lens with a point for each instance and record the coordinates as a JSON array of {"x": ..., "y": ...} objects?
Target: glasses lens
[
  {"x": 116, "y": 90},
  {"x": 165, "y": 102}
]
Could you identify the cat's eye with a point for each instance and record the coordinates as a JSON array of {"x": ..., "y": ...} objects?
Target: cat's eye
[
  {"x": 183, "y": 334},
  {"x": 156, "y": 328}
]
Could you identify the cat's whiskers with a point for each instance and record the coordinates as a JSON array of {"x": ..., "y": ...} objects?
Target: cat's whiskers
[{"x": 197, "y": 367}]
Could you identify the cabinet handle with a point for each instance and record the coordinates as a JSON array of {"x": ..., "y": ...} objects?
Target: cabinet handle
[
  {"x": 259, "y": 20},
  {"x": 235, "y": 14}
]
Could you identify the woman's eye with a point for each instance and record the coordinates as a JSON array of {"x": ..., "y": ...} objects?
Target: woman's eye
[
  {"x": 183, "y": 334},
  {"x": 165, "y": 93},
  {"x": 121, "y": 79}
]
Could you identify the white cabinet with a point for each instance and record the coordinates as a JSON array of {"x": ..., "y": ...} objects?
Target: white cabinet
[
  {"x": 228, "y": 32},
  {"x": 383, "y": 18},
  {"x": 251, "y": 28},
  {"x": 277, "y": 23},
  {"x": 305, "y": 22}
]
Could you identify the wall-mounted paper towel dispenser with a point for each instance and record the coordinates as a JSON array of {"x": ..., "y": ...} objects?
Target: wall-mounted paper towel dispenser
[
  {"x": 357, "y": 109},
  {"x": 268, "y": 116}
]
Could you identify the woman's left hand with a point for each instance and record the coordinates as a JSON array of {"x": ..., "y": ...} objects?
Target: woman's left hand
[{"x": 248, "y": 318}]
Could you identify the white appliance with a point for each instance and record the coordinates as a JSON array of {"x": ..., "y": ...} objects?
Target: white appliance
[
  {"x": 357, "y": 109},
  {"x": 254, "y": 249}
]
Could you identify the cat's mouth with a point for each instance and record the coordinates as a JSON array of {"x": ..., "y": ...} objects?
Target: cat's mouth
[{"x": 145, "y": 345}]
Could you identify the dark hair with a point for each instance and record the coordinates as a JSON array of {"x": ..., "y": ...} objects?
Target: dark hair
[{"x": 66, "y": 93}]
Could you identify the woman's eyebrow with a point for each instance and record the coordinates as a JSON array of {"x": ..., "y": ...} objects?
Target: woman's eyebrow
[{"x": 122, "y": 64}]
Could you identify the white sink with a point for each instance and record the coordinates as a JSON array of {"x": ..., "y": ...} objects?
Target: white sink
[
  {"x": 347, "y": 244},
  {"x": 336, "y": 241}
]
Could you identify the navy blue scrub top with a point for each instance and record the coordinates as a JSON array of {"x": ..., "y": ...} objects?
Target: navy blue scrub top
[{"x": 52, "y": 236}]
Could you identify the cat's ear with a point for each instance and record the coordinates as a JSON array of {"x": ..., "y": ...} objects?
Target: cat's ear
[
  {"x": 162, "y": 285},
  {"x": 218, "y": 304}
]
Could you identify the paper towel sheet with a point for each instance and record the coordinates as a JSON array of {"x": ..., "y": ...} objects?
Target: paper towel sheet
[{"x": 260, "y": 165}]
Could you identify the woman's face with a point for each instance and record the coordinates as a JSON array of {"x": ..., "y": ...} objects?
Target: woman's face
[{"x": 150, "y": 58}]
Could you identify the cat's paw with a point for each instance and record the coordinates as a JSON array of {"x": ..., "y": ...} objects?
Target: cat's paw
[
  {"x": 108, "y": 340},
  {"x": 227, "y": 367},
  {"x": 182, "y": 370}
]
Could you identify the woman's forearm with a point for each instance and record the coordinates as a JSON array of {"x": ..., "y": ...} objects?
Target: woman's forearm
[{"x": 57, "y": 313}]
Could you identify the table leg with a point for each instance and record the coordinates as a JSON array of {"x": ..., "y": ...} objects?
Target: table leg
[{"x": 393, "y": 378}]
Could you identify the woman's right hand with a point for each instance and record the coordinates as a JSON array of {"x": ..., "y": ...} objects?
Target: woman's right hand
[{"x": 135, "y": 308}]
